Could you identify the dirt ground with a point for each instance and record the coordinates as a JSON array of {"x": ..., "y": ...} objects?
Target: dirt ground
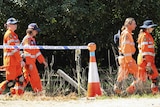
[{"x": 80, "y": 102}]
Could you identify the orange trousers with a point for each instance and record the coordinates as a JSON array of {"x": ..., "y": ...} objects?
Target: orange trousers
[
  {"x": 12, "y": 74},
  {"x": 126, "y": 68},
  {"x": 142, "y": 74},
  {"x": 33, "y": 77}
]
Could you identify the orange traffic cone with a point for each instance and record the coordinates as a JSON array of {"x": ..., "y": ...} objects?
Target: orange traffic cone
[{"x": 93, "y": 77}]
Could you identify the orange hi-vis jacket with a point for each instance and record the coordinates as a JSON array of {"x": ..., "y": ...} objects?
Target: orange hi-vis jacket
[
  {"x": 127, "y": 45},
  {"x": 146, "y": 47},
  {"x": 11, "y": 56},
  {"x": 127, "y": 63},
  {"x": 31, "y": 54}
]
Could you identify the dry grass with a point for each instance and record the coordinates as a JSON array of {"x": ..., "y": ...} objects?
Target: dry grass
[{"x": 29, "y": 96}]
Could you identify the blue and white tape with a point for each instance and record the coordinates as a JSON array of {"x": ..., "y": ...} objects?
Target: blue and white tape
[{"x": 44, "y": 47}]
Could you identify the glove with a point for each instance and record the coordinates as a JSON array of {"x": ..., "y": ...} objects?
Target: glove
[
  {"x": 45, "y": 64},
  {"x": 149, "y": 68}
]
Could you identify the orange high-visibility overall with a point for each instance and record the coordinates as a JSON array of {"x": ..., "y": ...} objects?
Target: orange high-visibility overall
[
  {"x": 32, "y": 75},
  {"x": 127, "y": 63},
  {"x": 11, "y": 60},
  {"x": 147, "y": 55}
]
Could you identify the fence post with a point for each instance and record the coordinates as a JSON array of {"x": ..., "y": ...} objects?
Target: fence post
[{"x": 78, "y": 67}]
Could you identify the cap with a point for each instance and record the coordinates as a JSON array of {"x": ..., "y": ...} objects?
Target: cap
[
  {"x": 33, "y": 26},
  {"x": 11, "y": 21},
  {"x": 148, "y": 24}
]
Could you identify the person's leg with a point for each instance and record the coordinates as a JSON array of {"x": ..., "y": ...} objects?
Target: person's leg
[
  {"x": 3, "y": 86},
  {"x": 11, "y": 72},
  {"x": 35, "y": 80},
  {"x": 18, "y": 89},
  {"x": 154, "y": 79},
  {"x": 122, "y": 75},
  {"x": 133, "y": 69},
  {"x": 11, "y": 77}
]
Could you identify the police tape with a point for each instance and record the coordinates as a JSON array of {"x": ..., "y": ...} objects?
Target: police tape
[{"x": 44, "y": 47}]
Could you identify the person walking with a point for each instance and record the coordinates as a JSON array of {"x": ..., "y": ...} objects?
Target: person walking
[
  {"x": 127, "y": 63},
  {"x": 146, "y": 56},
  {"x": 31, "y": 55},
  {"x": 12, "y": 60}
]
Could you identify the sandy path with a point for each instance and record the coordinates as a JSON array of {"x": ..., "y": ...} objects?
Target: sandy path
[{"x": 118, "y": 102}]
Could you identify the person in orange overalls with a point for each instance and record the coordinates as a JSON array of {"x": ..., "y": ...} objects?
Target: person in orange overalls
[
  {"x": 12, "y": 60},
  {"x": 127, "y": 63},
  {"x": 146, "y": 56},
  {"x": 30, "y": 70}
]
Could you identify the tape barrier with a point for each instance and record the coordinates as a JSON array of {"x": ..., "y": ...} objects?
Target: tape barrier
[{"x": 44, "y": 47}]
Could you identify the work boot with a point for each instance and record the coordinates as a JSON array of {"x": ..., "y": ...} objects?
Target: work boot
[
  {"x": 154, "y": 89},
  {"x": 131, "y": 89},
  {"x": 117, "y": 90},
  {"x": 117, "y": 87},
  {"x": 12, "y": 91}
]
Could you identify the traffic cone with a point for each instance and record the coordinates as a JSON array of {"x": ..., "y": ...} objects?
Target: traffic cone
[{"x": 93, "y": 77}]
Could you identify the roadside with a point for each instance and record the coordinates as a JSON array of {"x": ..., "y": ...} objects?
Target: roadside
[{"x": 72, "y": 101}]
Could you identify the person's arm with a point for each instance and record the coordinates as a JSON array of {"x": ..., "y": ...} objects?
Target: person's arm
[
  {"x": 40, "y": 58},
  {"x": 144, "y": 48},
  {"x": 10, "y": 41},
  {"x": 126, "y": 48},
  {"x": 27, "y": 52}
]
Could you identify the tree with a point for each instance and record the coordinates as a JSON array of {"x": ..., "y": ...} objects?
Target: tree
[{"x": 78, "y": 22}]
